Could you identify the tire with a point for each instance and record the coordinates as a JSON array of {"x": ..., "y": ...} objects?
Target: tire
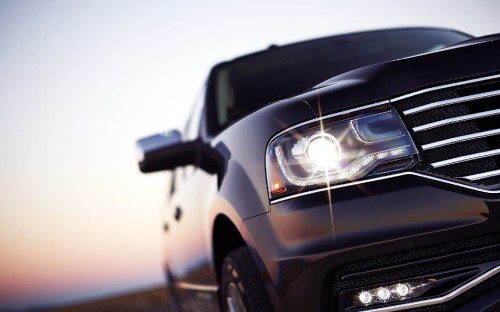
[{"x": 242, "y": 288}]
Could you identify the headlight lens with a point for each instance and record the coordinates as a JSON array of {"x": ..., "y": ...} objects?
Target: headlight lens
[{"x": 338, "y": 149}]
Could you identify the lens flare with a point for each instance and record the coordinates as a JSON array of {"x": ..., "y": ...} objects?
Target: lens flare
[{"x": 323, "y": 151}]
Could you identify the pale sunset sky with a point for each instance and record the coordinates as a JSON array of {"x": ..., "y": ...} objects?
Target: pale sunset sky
[{"x": 81, "y": 80}]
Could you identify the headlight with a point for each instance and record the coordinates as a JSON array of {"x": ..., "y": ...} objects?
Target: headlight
[{"x": 338, "y": 149}]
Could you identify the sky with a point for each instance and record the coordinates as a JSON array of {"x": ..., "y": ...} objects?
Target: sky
[{"x": 80, "y": 81}]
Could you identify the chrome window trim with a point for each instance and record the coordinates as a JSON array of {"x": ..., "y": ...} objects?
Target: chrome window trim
[
  {"x": 462, "y": 138},
  {"x": 438, "y": 300}
]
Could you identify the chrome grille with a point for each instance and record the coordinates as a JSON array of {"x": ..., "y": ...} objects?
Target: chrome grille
[{"x": 457, "y": 129}]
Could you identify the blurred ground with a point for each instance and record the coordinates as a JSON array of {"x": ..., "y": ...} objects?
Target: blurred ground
[{"x": 153, "y": 300}]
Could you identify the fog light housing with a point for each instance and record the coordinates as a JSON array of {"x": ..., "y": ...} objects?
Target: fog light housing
[{"x": 387, "y": 293}]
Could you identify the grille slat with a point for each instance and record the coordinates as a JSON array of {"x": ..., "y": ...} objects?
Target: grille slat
[
  {"x": 464, "y": 169},
  {"x": 457, "y": 129},
  {"x": 446, "y": 132},
  {"x": 483, "y": 175},
  {"x": 453, "y": 120},
  {"x": 454, "y": 150},
  {"x": 451, "y": 102},
  {"x": 465, "y": 158},
  {"x": 461, "y": 138}
]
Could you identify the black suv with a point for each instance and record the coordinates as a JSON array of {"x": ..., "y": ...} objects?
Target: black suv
[{"x": 375, "y": 190}]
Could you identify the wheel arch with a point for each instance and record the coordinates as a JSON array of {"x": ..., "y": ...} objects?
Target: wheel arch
[{"x": 225, "y": 238}]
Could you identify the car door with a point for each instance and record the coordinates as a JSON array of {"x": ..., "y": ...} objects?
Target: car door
[{"x": 187, "y": 238}]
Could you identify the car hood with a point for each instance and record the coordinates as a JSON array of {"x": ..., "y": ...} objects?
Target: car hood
[{"x": 383, "y": 81}]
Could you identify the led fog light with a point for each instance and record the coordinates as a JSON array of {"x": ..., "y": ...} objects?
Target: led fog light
[
  {"x": 365, "y": 297},
  {"x": 402, "y": 290},
  {"x": 392, "y": 292},
  {"x": 383, "y": 294}
]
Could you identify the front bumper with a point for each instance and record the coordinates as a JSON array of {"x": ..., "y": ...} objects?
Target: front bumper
[{"x": 316, "y": 249}]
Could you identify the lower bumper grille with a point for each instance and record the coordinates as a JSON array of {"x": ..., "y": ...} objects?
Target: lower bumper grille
[{"x": 460, "y": 262}]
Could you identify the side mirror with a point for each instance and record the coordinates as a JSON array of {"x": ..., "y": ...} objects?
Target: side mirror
[{"x": 166, "y": 151}]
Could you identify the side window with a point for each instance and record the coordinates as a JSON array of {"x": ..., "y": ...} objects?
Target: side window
[
  {"x": 193, "y": 126},
  {"x": 192, "y": 129}
]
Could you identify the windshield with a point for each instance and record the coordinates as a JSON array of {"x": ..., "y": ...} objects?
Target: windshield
[{"x": 246, "y": 84}]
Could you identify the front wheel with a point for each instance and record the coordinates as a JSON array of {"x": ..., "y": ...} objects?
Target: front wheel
[{"x": 242, "y": 288}]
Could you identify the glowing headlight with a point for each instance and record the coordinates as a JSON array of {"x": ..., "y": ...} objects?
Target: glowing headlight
[
  {"x": 323, "y": 151},
  {"x": 338, "y": 149}
]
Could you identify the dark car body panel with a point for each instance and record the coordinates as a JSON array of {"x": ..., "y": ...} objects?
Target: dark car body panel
[
  {"x": 301, "y": 244},
  {"x": 402, "y": 214},
  {"x": 302, "y": 239},
  {"x": 389, "y": 80},
  {"x": 224, "y": 198},
  {"x": 247, "y": 143}
]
